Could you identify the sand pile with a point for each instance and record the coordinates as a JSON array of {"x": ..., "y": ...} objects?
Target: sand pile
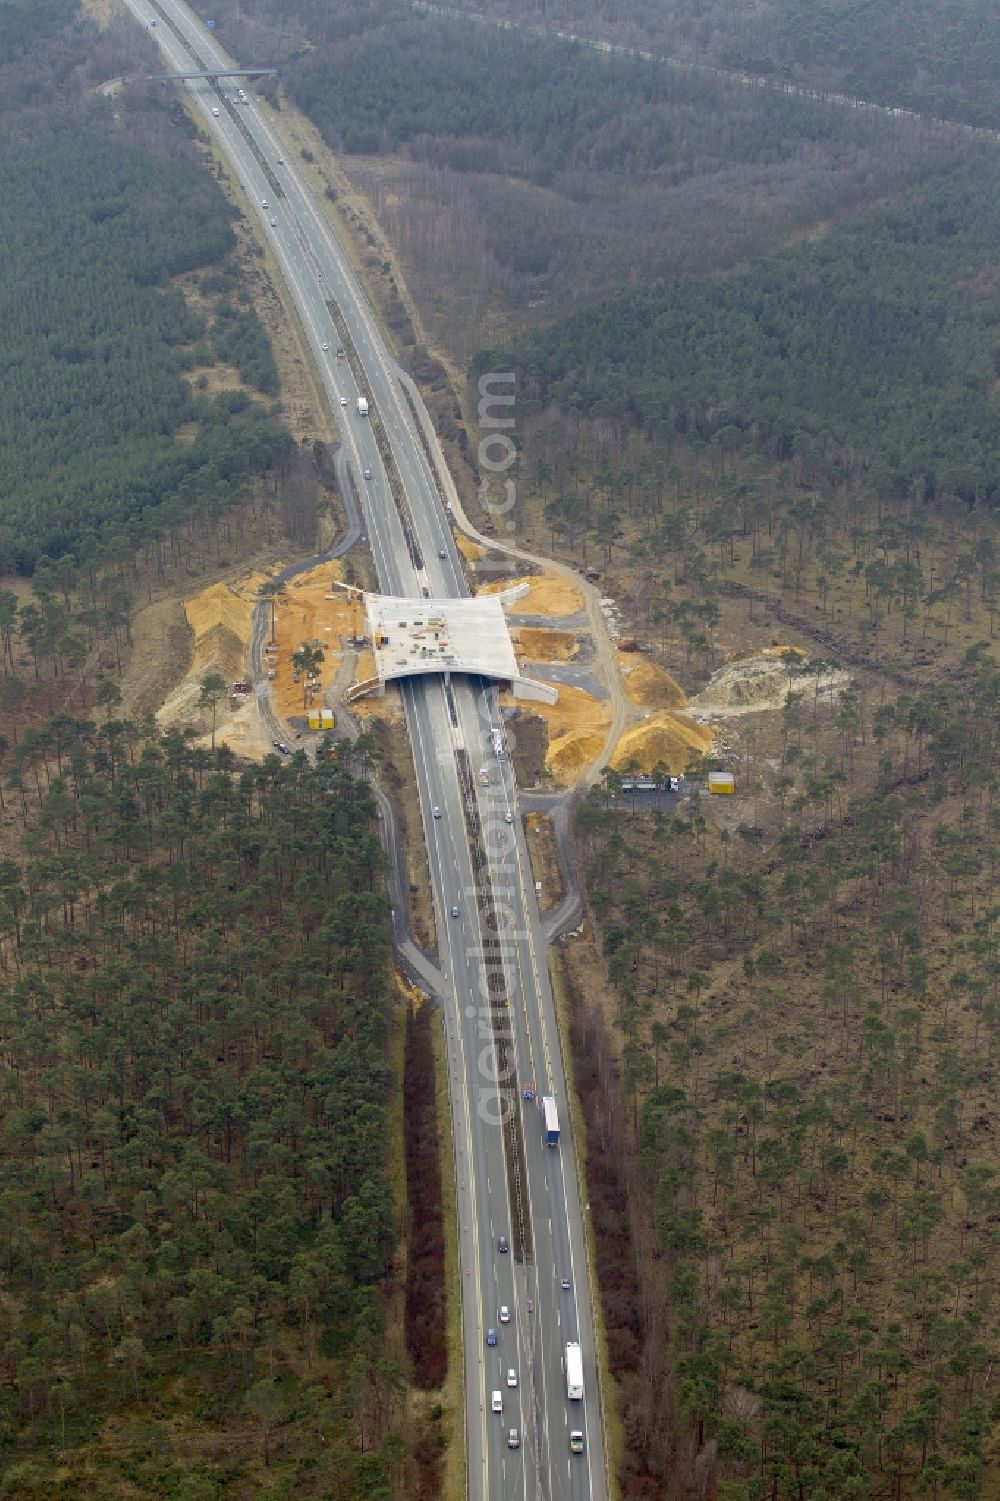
[
  {"x": 650, "y": 685},
  {"x": 577, "y": 725},
  {"x": 666, "y": 739},
  {"x": 570, "y": 754},
  {"x": 540, "y": 645},
  {"x": 219, "y": 618},
  {"x": 575, "y": 709},
  {"x": 548, "y": 594},
  {"x": 763, "y": 682}
]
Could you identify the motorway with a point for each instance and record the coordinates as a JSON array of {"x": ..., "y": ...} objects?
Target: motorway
[{"x": 501, "y": 1010}]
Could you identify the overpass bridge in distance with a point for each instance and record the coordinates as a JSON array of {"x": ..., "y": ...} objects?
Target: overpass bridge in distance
[{"x": 216, "y": 73}]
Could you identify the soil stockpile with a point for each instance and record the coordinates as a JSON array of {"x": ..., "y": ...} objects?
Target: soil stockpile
[{"x": 667, "y": 739}]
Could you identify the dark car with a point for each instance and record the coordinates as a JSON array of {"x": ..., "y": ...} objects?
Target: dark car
[
  {"x": 491, "y": 1337},
  {"x": 502, "y": 1244}
]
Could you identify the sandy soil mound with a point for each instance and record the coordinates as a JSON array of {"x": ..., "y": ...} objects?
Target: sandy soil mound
[
  {"x": 545, "y": 646},
  {"x": 575, "y": 709},
  {"x": 577, "y": 725},
  {"x": 570, "y": 754},
  {"x": 650, "y": 685},
  {"x": 758, "y": 683},
  {"x": 666, "y": 739},
  {"x": 548, "y": 594},
  {"x": 220, "y": 618}
]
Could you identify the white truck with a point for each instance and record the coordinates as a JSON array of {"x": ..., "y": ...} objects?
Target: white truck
[
  {"x": 362, "y": 406},
  {"x": 551, "y": 1120},
  {"x": 574, "y": 1372}
]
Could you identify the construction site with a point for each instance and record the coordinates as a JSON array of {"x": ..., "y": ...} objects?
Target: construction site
[{"x": 324, "y": 649}]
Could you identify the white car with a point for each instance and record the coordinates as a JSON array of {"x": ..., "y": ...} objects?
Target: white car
[
  {"x": 504, "y": 1314},
  {"x": 263, "y": 203},
  {"x": 496, "y": 1402},
  {"x": 511, "y": 1378},
  {"x": 326, "y": 348},
  {"x": 343, "y": 401}
]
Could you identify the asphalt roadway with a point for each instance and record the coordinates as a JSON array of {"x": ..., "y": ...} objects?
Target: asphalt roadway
[{"x": 487, "y": 877}]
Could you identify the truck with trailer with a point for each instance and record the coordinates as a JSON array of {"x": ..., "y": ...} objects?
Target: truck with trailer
[
  {"x": 362, "y": 406},
  {"x": 574, "y": 1372},
  {"x": 551, "y": 1121}
]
